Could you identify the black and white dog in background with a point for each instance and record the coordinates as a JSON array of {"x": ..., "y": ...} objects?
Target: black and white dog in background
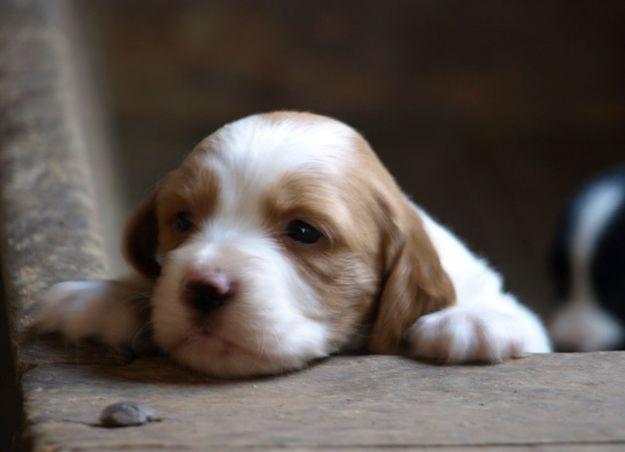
[{"x": 588, "y": 267}]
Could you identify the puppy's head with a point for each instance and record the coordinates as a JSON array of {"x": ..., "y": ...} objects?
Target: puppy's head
[{"x": 281, "y": 239}]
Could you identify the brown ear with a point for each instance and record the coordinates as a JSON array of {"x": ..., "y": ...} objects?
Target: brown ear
[
  {"x": 415, "y": 285},
  {"x": 141, "y": 239}
]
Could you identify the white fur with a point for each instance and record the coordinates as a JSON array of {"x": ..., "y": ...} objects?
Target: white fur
[
  {"x": 101, "y": 310},
  {"x": 582, "y": 324},
  {"x": 254, "y": 149},
  {"x": 487, "y": 324}
]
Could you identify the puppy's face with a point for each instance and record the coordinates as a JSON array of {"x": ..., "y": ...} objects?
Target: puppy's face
[{"x": 282, "y": 239}]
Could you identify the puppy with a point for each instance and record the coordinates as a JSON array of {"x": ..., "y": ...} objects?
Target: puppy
[
  {"x": 588, "y": 267},
  {"x": 282, "y": 239}
]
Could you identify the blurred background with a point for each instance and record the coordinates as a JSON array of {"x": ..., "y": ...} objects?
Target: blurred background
[{"x": 489, "y": 113}]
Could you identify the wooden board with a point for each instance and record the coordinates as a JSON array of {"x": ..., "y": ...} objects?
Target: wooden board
[{"x": 377, "y": 402}]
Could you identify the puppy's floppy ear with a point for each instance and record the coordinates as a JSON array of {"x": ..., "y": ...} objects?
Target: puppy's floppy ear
[
  {"x": 415, "y": 284},
  {"x": 140, "y": 241}
]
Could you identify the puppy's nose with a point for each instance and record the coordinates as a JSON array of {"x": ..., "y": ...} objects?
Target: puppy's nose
[{"x": 207, "y": 291}]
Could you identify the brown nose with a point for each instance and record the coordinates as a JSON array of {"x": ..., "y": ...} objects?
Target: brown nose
[{"x": 207, "y": 291}]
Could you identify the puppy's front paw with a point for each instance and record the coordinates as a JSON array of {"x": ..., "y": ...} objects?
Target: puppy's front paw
[
  {"x": 87, "y": 309},
  {"x": 66, "y": 308},
  {"x": 462, "y": 335}
]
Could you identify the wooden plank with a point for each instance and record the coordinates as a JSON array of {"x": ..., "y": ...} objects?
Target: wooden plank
[{"x": 344, "y": 402}]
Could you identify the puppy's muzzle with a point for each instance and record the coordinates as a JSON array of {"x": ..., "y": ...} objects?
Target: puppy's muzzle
[{"x": 207, "y": 291}]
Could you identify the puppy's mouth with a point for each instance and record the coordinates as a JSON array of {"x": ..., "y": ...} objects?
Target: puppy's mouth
[{"x": 214, "y": 344}]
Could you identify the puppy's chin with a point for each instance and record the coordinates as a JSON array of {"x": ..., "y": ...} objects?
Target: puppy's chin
[
  {"x": 220, "y": 357},
  {"x": 216, "y": 355}
]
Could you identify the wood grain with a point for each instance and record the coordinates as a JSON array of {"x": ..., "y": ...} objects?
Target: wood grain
[{"x": 368, "y": 402}]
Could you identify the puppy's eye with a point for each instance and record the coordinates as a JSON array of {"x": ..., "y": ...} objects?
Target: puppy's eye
[
  {"x": 302, "y": 232},
  {"x": 183, "y": 222}
]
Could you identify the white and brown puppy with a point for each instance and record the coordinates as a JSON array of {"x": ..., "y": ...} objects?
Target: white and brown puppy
[{"x": 282, "y": 239}]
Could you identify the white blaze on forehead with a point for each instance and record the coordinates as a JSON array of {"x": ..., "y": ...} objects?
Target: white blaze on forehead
[
  {"x": 254, "y": 152},
  {"x": 259, "y": 147}
]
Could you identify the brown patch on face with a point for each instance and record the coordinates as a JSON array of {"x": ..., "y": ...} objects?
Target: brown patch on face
[
  {"x": 342, "y": 266},
  {"x": 375, "y": 269},
  {"x": 192, "y": 189}
]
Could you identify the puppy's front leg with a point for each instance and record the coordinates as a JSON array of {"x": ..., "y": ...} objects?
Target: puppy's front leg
[{"x": 112, "y": 312}]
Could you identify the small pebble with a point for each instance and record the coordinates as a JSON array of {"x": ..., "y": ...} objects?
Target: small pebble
[{"x": 125, "y": 414}]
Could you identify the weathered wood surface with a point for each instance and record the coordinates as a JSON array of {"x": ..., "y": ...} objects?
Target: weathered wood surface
[{"x": 552, "y": 401}]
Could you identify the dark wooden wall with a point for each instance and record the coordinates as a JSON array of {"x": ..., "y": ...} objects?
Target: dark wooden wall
[{"x": 489, "y": 113}]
